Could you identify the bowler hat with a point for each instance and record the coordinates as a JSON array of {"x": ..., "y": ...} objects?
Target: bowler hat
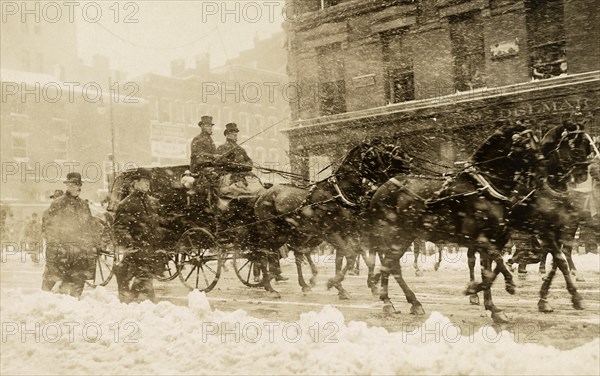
[
  {"x": 57, "y": 193},
  {"x": 141, "y": 173},
  {"x": 231, "y": 128},
  {"x": 73, "y": 177},
  {"x": 206, "y": 120}
]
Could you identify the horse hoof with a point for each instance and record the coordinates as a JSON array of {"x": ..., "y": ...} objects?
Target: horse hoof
[
  {"x": 577, "y": 301},
  {"x": 500, "y": 317},
  {"x": 579, "y": 279},
  {"x": 474, "y": 299},
  {"x": 418, "y": 273},
  {"x": 330, "y": 283},
  {"x": 312, "y": 282},
  {"x": 544, "y": 307},
  {"x": 389, "y": 309},
  {"x": 375, "y": 291},
  {"x": 510, "y": 288},
  {"x": 344, "y": 295},
  {"x": 511, "y": 267},
  {"x": 274, "y": 295},
  {"x": 417, "y": 309},
  {"x": 306, "y": 289},
  {"x": 544, "y": 277},
  {"x": 436, "y": 266},
  {"x": 522, "y": 277},
  {"x": 471, "y": 288}
]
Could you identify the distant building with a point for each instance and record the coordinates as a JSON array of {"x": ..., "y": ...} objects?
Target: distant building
[
  {"x": 55, "y": 113},
  {"x": 434, "y": 75},
  {"x": 247, "y": 90}
]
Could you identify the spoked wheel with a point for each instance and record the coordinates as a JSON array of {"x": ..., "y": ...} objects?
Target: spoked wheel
[
  {"x": 107, "y": 253},
  {"x": 199, "y": 263},
  {"x": 247, "y": 267},
  {"x": 171, "y": 272}
]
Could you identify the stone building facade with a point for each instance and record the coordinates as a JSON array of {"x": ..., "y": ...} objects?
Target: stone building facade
[{"x": 435, "y": 75}]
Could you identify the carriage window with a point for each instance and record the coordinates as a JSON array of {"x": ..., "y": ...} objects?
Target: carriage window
[
  {"x": 468, "y": 49},
  {"x": 332, "y": 87},
  {"x": 399, "y": 67}
]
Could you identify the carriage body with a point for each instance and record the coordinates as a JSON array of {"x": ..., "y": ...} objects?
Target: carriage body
[{"x": 200, "y": 234}]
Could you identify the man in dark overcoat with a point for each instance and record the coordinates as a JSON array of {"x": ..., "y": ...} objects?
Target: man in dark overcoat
[
  {"x": 137, "y": 233},
  {"x": 70, "y": 252}
]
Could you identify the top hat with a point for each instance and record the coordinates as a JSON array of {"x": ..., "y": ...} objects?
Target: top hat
[
  {"x": 206, "y": 120},
  {"x": 57, "y": 193},
  {"x": 73, "y": 177},
  {"x": 231, "y": 128},
  {"x": 141, "y": 173}
]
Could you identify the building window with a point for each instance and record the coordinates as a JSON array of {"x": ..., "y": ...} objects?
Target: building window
[
  {"x": 259, "y": 123},
  {"x": 546, "y": 34},
  {"x": 164, "y": 111},
  {"x": 332, "y": 87},
  {"x": 177, "y": 112},
  {"x": 273, "y": 126},
  {"x": 61, "y": 148},
  {"x": 19, "y": 146},
  {"x": 399, "y": 67},
  {"x": 153, "y": 107},
  {"x": 468, "y": 50}
]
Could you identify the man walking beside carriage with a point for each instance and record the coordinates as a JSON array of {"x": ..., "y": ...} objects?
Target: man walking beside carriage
[{"x": 137, "y": 234}]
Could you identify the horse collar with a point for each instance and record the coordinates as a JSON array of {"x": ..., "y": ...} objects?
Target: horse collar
[{"x": 333, "y": 181}]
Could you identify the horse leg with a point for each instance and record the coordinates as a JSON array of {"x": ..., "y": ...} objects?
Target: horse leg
[
  {"x": 299, "y": 258},
  {"x": 558, "y": 261},
  {"x": 473, "y": 298},
  {"x": 266, "y": 281},
  {"x": 313, "y": 269},
  {"x": 396, "y": 270},
  {"x": 417, "y": 252},
  {"x": 371, "y": 282},
  {"x": 498, "y": 315},
  {"x": 439, "y": 259},
  {"x": 388, "y": 307},
  {"x": 342, "y": 249},
  {"x": 568, "y": 251}
]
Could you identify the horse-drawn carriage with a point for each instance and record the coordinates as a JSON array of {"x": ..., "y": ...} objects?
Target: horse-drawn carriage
[{"x": 201, "y": 231}]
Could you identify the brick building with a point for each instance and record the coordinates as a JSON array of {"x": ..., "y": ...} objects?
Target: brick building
[{"x": 434, "y": 75}]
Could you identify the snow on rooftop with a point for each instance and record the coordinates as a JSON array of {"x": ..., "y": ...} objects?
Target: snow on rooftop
[{"x": 44, "y": 333}]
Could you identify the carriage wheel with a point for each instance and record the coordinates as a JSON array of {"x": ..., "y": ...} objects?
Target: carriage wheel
[
  {"x": 107, "y": 253},
  {"x": 171, "y": 271},
  {"x": 247, "y": 267},
  {"x": 199, "y": 263}
]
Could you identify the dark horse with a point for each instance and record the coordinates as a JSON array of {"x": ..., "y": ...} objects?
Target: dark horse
[
  {"x": 329, "y": 209},
  {"x": 548, "y": 210},
  {"x": 469, "y": 209}
]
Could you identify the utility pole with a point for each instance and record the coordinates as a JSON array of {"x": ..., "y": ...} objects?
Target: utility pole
[{"x": 112, "y": 130}]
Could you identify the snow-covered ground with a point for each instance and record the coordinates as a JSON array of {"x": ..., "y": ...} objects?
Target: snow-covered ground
[{"x": 45, "y": 333}]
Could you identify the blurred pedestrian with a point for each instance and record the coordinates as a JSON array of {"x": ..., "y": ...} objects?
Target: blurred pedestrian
[
  {"x": 137, "y": 232},
  {"x": 31, "y": 238},
  {"x": 70, "y": 256}
]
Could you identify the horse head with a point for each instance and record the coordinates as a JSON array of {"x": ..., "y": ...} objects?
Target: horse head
[
  {"x": 375, "y": 161},
  {"x": 510, "y": 151},
  {"x": 566, "y": 148}
]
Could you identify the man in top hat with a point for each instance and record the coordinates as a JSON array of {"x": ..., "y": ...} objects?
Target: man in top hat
[
  {"x": 137, "y": 234},
  {"x": 233, "y": 155},
  {"x": 70, "y": 255},
  {"x": 203, "y": 151}
]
